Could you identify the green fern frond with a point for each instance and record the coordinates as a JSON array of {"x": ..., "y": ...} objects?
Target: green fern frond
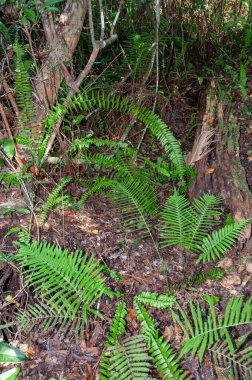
[
  {"x": 207, "y": 208},
  {"x": 134, "y": 199},
  {"x": 233, "y": 366},
  {"x": 203, "y": 332},
  {"x": 22, "y": 84},
  {"x": 127, "y": 360},
  {"x": 196, "y": 279},
  {"x": 161, "y": 351},
  {"x": 219, "y": 242},
  {"x": 85, "y": 143},
  {"x": 13, "y": 178},
  {"x": 160, "y": 301},
  {"x": 118, "y": 325},
  {"x": 66, "y": 281},
  {"x": 54, "y": 199},
  {"x": 91, "y": 100},
  {"x": 177, "y": 221},
  {"x": 42, "y": 316}
]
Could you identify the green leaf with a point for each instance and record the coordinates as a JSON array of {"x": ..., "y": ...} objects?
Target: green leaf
[
  {"x": 48, "y": 3},
  {"x": 11, "y": 374},
  {"x": 9, "y": 354},
  {"x": 29, "y": 13},
  {"x": 8, "y": 147}
]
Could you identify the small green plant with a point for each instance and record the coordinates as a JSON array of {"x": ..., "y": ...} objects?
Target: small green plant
[
  {"x": 10, "y": 354},
  {"x": 54, "y": 199},
  {"x": 69, "y": 285},
  {"x": 188, "y": 226},
  {"x": 22, "y": 84},
  {"x": 131, "y": 358},
  {"x": 207, "y": 331}
]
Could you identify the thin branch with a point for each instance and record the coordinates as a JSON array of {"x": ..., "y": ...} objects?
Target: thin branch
[
  {"x": 102, "y": 21},
  {"x": 8, "y": 92},
  {"x": 91, "y": 24},
  {"x": 116, "y": 17},
  {"x": 6, "y": 124}
]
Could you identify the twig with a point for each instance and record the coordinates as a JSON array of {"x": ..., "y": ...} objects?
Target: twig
[
  {"x": 8, "y": 92},
  {"x": 157, "y": 67},
  {"x": 91, "y": 24},
  {"x": 6, "y": 124},
  {"x": 102, "y": 21}
]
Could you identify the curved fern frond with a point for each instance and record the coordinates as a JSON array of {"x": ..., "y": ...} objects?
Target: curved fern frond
[
  {"x": 202, "y": 333},
  {"x": 127, "y": 360},
  {"x": 90, "y": 100},
  {"x": 85, "y": 143},
  {"x": 160, "y": 301},
  {"x": 219, "y": 242},
  {"x": 54, "y": 199},
  {"x": 69, "y": 281},
  {"x": 161, "y": 351},
  {"x": 177, "y": 219}
]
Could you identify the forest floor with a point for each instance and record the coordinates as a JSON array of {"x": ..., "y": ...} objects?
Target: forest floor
[{"x": 97, "y": 229}]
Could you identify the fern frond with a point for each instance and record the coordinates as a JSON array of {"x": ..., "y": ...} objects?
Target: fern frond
[
  {"x": 85, "y": 143},
  {"x": 118, "y": 325},
  {"x": 69, "y": 281},
  {"x": 160, "y": 301},
  {"x": 42, "y": 316},
  {"x": 177, "y": 221},
  {"x": 90, "y": 100},
  {"x": 54, "y": 199},
  {"x": 161, "y": 351},
  {"x": 22, "y": 84},
  {"x": 127, "y": 360},
  {"x": 203, "y": 332},
  {"x": 134, "y": 199},
  {"x": 234, "y": 366},
  {"x": 219, "y": 242},
  {"x": 206, "y": 208}
]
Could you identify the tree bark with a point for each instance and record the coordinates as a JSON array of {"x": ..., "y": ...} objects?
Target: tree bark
[
  {"x": 62, "y": 40},
  {"x": 220, "y": 172}
]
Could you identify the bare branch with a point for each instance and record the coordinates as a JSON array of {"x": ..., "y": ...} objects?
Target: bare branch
[
  {"x": 91, "y": 23},
  {"x": 102, "y": 21},
  {"x": 116, "y": 17}
]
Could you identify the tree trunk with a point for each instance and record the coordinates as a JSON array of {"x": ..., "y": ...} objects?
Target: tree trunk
[
  {"x": 220, "y": 172},
  {"x": 62, "y": 40}
]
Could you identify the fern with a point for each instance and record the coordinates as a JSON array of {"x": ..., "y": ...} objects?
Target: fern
[
  {"x": 54, "y": 199},
  {"x": 90, "y": 100},
  {"x": 66, "y": 281},
  {"x": 22, "y": 84},
  {"x": 196, "y": 279},
  {"x": 85, "y": 143},
  {"x": 118, "y": 325},
  {"x": 188, "y": 226},
  {"x": 42, "y": 316},
  {"x": 126, "y": 360},
  {"x": 202, "y": 333},
  {"x": 135, "y": 199},
  {"x": 215, "y": 245},
  {"x": 162, "y": 353},
  {"x": 160, "y": 301},
  {"x": 234, "y": 366}
]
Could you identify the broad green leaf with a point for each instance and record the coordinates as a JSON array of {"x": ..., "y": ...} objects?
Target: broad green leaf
[
  {"x": 29, "y": 13},
  {"x": 49, "y": 3},
  {"x": 11, "y": 374},
  {"x": 8, "y": 147},
  {"x": 9, "y": 354}
]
